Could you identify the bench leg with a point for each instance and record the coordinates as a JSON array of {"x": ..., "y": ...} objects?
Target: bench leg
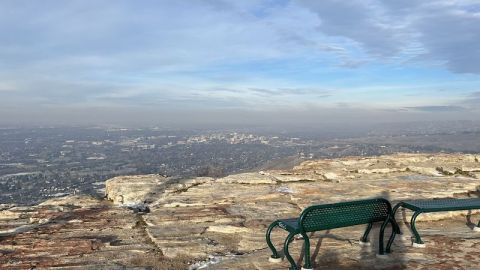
[
  {"x": 306, "y": 245},
  {"x": 397, "y": 228},
  {"x": 477, "y": 229},
  {"x": 418, "y": 240},
  {"x": 364, "y": 239},
  {"x": 381, "y": 250},
  {"x": 392, "y": 235},
  {"x": 288, "y": 240},
  {"x": 275, "y": 257}
]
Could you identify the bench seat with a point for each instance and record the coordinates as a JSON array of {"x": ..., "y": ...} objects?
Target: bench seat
[
  {"x": 289, "y": 224},
  {"x": 435, "y": 205},
  {"x": 331, "y": 216},
  {"x": 440, "y": 205}
]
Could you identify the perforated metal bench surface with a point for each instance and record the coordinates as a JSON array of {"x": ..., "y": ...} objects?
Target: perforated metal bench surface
[
  {"x": 440, "y": 205},
  {"x": 435, "y": 205},
  {"x": 331, "y": 216}
]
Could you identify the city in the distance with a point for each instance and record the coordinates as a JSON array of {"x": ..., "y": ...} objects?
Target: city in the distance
[{"x": 45, "y": 162}]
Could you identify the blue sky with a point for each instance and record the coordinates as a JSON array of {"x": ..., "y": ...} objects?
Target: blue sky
[{"x": 99, "y": 61}]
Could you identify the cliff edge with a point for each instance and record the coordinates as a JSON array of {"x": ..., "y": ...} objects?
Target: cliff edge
[{"x": 220, "y": 222}]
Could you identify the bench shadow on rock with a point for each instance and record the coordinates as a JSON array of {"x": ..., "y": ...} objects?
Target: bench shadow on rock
[
  {"x": 396, "y": 258},
  {"x": 471, "y": 223}
]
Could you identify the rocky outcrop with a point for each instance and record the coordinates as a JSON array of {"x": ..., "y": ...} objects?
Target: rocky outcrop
[
  {"x": 77, "y": 232},
  {"x": 222, "y": 221},
  {"x": 134, "y": 190}
]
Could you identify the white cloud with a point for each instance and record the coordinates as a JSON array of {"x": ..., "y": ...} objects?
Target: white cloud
[
  {"x": 261, "y": 53},
  {"x": 435, "y": 31}
]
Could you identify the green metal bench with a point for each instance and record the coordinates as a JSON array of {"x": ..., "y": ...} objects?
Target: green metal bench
[
  {"x": 435, "y": 205},
  {"x": 330, "y": 216}
]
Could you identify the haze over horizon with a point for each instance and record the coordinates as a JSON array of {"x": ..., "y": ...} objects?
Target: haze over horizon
[{"x": 238, "y": 62}]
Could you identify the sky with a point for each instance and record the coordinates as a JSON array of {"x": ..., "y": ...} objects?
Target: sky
[{"x": 266, "y": 62}]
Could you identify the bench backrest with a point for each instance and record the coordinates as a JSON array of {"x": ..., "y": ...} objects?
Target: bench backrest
[{"x": 337, "y": 215}]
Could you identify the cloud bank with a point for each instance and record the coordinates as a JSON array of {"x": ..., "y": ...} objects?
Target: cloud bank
[{"x": 206, "y": 55}]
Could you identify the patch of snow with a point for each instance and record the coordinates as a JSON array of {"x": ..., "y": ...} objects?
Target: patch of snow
[
  {"x": 212, "y": 260},
  {"x": 96, "y": 158},
  {"x": 19, "y": 174},
  {"x": 284, "y": 189},
  {"x": 60, "y": 194}
]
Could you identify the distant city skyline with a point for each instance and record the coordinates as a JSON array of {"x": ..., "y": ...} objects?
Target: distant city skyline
[{"x": 238, "y": 62}]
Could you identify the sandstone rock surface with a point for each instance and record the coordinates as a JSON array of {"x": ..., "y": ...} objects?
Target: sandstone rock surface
[
  {"x": 223, "y": 221},
  {"x": 78, "y": 232},
  {"x": 133, "y": 190}
]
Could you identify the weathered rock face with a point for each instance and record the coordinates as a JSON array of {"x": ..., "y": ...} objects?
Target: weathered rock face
[
  {"x": 133, "y": 190},
  {"x": 227, "y": 217},
  {"x": 230, "y": 215},
  {"x": 77, "y": 232}
]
